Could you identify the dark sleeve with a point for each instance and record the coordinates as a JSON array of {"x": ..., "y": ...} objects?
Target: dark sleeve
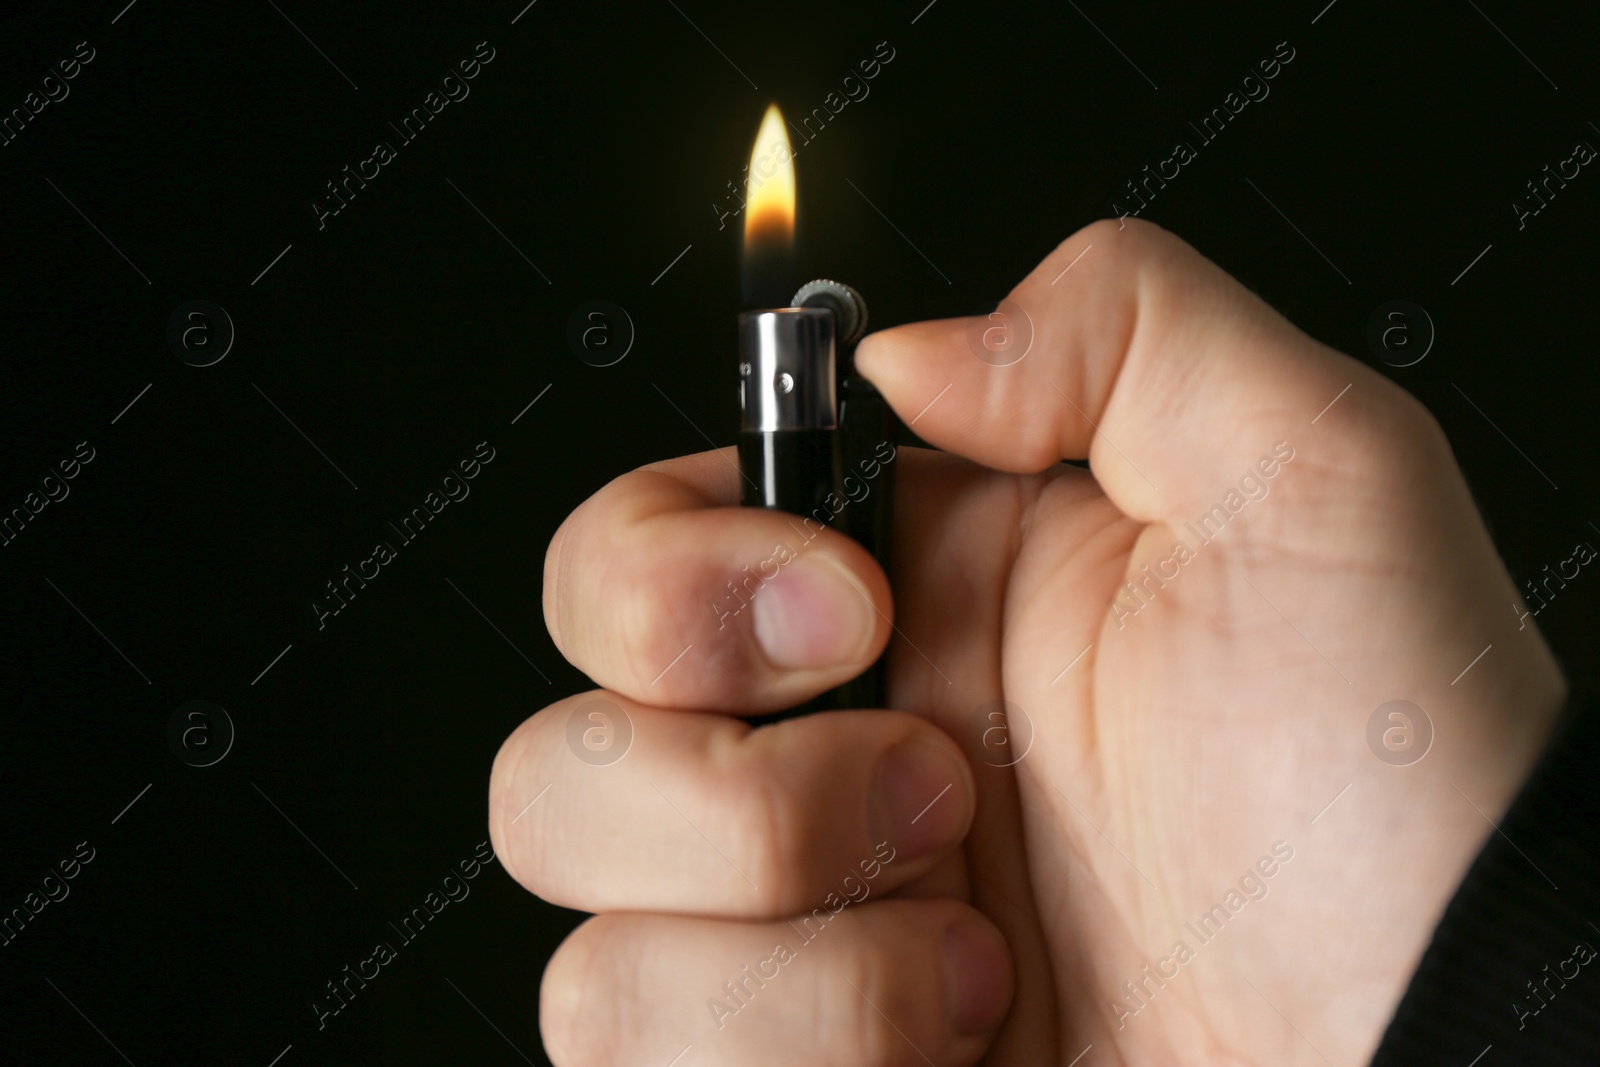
[{"x": 1512, "y": 976}]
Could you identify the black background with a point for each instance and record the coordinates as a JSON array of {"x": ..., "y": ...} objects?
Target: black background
[{"x": 408, "y": 330}]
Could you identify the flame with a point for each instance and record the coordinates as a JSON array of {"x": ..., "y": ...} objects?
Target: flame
[{"x": 769, "y": 205}]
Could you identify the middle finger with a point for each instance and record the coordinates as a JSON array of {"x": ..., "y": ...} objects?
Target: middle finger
[{"x": 703, "y": 815}]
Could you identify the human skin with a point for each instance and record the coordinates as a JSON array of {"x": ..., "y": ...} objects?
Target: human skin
[{"x": 1226, "y": 715}]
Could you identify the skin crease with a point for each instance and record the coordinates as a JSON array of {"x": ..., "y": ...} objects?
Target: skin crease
[{"x": 1227, "y": 715}]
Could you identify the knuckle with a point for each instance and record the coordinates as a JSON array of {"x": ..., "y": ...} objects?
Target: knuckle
[
  {"x": 582, "y": 565},
  {"x": 1394, "y": 438},
  {"x": 555, "y": 578},
  {"x": 646, "y": 633},
  {"x": 850, "y": 1024},
  {"x": 524, "y": 849},
  {"x": 578, "y": 997},
  {"x": 1107, "y": 229},
  {"x": 501, "y": 777},
  {"x": 1416, "y": 422},
  {"x": 628, "y": 588},
  {"x": 1137, "y": 239},
  {"x": 778, "y": 838},
  {"x": 656, "y": 614}
]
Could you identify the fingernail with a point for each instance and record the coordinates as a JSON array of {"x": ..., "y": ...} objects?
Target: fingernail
[
  {"x": 977, "y": 977},
  {"x": 812, "y": 614},
  {"x": 917, "y": 801}
]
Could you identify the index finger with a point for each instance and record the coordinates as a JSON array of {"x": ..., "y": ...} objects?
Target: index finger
[{"x": 659, "y": 588}]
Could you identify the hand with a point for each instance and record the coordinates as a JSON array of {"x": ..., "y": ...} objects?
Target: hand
[{"x": 1199, "y": 771}]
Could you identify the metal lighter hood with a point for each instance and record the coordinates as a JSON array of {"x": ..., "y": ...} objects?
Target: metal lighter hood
[{"x": 787, "y": 370}]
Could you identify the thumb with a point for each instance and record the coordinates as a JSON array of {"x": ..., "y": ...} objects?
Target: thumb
[{"x": 1129, "y": 348}]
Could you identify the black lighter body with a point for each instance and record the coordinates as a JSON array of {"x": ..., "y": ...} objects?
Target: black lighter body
[
  {"x": 867, "y": 454},
  {"x": 792, "y": 450}
]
